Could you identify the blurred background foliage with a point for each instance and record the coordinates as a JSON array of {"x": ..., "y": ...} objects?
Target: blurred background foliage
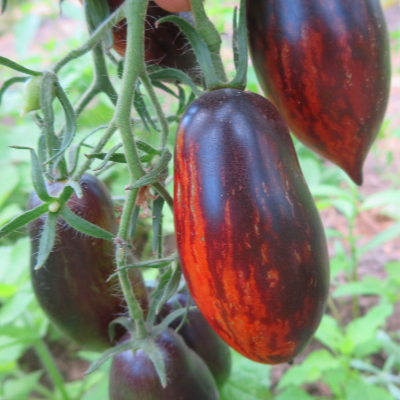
[{"x": 356, "y": 352}]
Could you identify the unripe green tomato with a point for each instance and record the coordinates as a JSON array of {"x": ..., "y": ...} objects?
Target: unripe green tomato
[{"x": 31, "y": 95}]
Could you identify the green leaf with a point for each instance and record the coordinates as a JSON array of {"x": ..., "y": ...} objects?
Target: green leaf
[
  {"x": 359, "y": 390},
  {"x": 388, "y": 344},
  {"x": 116, "y": 157},
  {"x": 3, "y": 6},
  {"x": 13, "y": 65},
  {"x": 328, "y": 333},
  {"x": 390, "y": 196},
  {"x": 10, "y": 82},
  {"x": 379, "y": 239},
  {"x": 20, "y": 388},
  {"x": 294, "y": 393},
  {"x": 37, "y": 176},
  {"x": 98, "y": 11},
  {"x": 393, "y": 270},
  {"x": 177, "y": 75},
  {"x": 23, "y": 219},
  {"x": 108, "y": 156},
  {"x": 248, "y": 380},
  {"x": 171, "y": 287},
  {"x": 47, "y": 239},
  {"x": 141, "y": 109},
  {"x": 84, "y": 226},
  {"x": 143, "y": 146},
  {"x": 199, "y": 46},
  {"x": 15, "y": 306},
  {"x": 154, "y": 174},
  {"x": 369, "y": 286}
]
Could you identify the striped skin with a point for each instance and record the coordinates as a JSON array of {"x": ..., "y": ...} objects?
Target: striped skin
[
  {"x": 250, "y": 239},
  {"x": 72, "y": 287},
  {"x": 326, "y": 66}
]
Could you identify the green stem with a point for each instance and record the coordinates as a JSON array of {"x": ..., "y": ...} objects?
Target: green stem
[
  {"x": 164, "y": 193},
  {"x": 354, "y": 265},
  {"x": 87, "y": 97},
  {"x": 134, "y": 67},
  {"x": 210, "y": 35},
  {"x": 157, "y": 107},
  {"x": 48, "y": 362},
  {"x": 335, "y": 311},
  {"x": 94, "y": 39}
]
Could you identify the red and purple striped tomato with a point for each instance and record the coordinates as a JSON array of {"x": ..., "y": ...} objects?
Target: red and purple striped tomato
[
  {"x": 250, "y": 239},
  {"x": 326, "y": 66}
]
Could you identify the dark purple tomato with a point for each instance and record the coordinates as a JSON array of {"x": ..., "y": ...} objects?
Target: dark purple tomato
[
  {"x": 164, "y": 45},
  {"x": 200, "y": 337},
  {"x": 250, "y": 240},
  {"x": 133, "y": 376},
  {"x": 72, "y": 286},
  {"x": 326, "y": 66}
]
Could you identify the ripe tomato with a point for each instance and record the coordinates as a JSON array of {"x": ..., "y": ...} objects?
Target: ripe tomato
[
  {"x": 72, "y": 287},
  {"x": 250, "y": 239},
  {"x": 133, "y": 375},
  {"x": 326, "y": 66}
]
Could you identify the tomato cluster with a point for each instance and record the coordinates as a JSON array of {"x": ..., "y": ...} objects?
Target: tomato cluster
[{"x": 250, "y": 240}]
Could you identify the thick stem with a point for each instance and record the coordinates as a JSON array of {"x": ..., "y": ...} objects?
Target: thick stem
[
  {"x": 210, "y": 35},
  {"x": 134, "y": 67},
  {"x": 157, "y": 107}
]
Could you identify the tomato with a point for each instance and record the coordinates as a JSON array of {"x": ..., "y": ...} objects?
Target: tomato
[
  {"x": 201, "y": 338},
  {"x": 250, "y": 240},
  {"x": 326, "y": 66},
  {"x": 174, "y": 6},
  {"x": 71, "y": 287},
  {"x": 133, "y": 375},
  {"x": 165, "y": 45}
]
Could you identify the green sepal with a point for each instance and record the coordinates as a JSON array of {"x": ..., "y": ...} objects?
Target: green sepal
[
  {"x": 86, "y": 227},
  {"x": 23, "y": 219},
  {"x": 37, "y": 176},
  {"x": 239, "y": 81},
  {"x": 155, "y": 355},
  {"x": 158, "y": 205},
  {"x": 154, "y": 174},
  {"x": 13, "y": 65},
  {"x": 165, "y": 88},
  {"x": 176, "y": 75},
  {"x": 126, "y": 322},
  {"x": 143, "y": 146},
  {"x": 235, "y": 39},
  {"x": 116, "y": 157},
  {"x": 114, "y": 351},
  {"x": 171, "y": 318},
  {"x": 47, "y": 239},
  {"x": 10, "y": 82},
  {"x": 77, "y": 188},
  {"x": 171, "y": 287},
  {"x": 199, "y": 47}
]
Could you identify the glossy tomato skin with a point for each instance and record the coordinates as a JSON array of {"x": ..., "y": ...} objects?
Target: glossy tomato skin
[
  {"x": 200, "y": 337},
  {"x": 250, "y": 239},
  {"x": 165, "y": 45},
  {"x": 326, "y": 66},
  {"x": 133, "y": 376},
  {"x": 71, "y": 287}
]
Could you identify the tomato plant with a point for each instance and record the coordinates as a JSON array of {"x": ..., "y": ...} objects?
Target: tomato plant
[
  {"x": 326, "y": 67},
  {"x": 259, "y": 250}
]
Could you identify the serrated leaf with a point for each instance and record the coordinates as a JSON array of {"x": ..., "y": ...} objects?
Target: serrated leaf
[
  {"x": 47, "y": 239},
  {"x": 84, "y": 226},
  {"x": 23, "y": 219}
]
